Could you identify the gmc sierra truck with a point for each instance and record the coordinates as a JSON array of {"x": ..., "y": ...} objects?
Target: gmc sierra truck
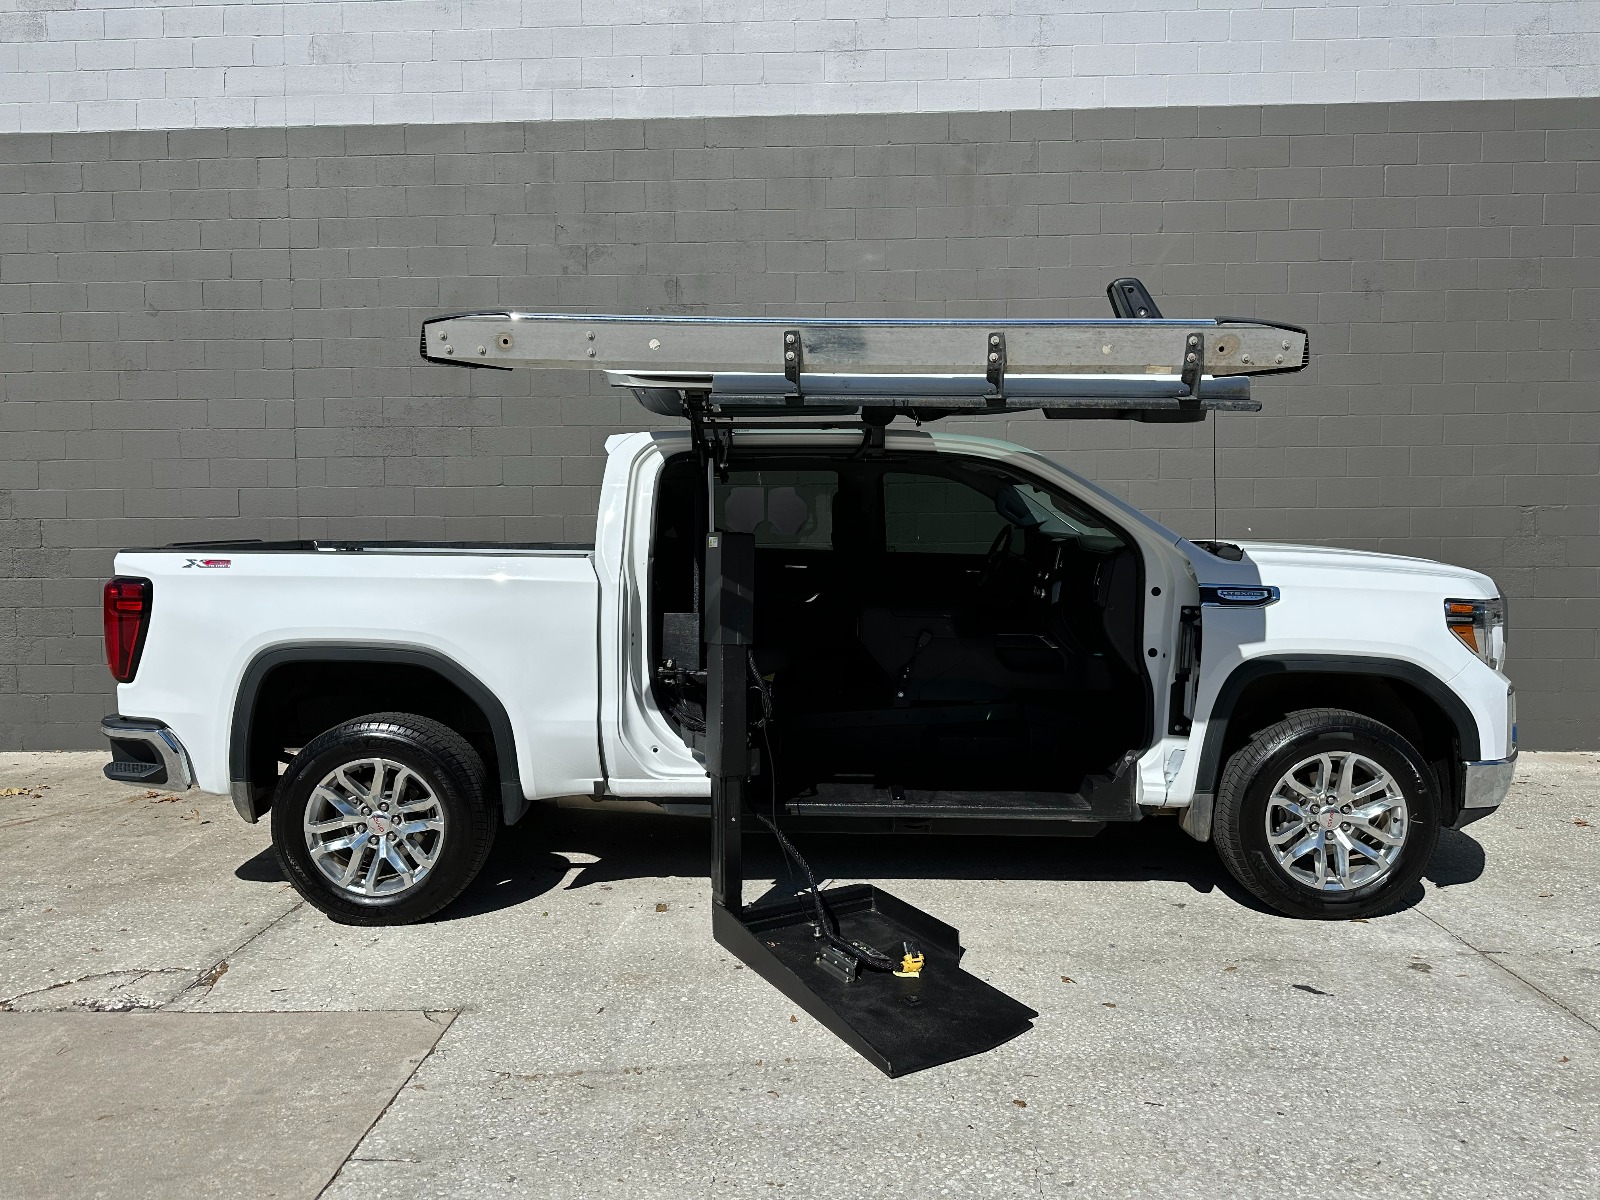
[{"x": 951, "y": 634}]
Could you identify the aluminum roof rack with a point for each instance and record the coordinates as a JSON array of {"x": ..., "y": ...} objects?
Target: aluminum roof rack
[{"x": 1139, "y": 366}]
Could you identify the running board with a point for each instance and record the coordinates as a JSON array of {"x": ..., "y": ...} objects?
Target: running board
[
  {"x": 1103, "y": 798},
  {"x": 1071, "y": 808}
]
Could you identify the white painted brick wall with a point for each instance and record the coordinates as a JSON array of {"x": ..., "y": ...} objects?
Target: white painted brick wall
[{"x": 121, "y": 64}]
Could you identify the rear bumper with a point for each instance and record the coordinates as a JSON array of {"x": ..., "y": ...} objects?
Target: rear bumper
[
  {"x": 146, "y": 751},
  {"x": 1484, "y": 787}
]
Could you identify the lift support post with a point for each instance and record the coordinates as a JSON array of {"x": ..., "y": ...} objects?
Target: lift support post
[{"x": 729, "y": 627}]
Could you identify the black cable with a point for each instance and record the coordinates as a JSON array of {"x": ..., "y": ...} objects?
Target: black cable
[
  {"x": 772, "y": 757},
  {"x": 825, "y": 926},
  {"x": 761, "y": 686},
  {"x": 685, "y": 717},
  {"x": 881, "y": 962},
  {"x": 1216, "y": 523}
]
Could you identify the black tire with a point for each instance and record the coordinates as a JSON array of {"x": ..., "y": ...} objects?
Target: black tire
[
  {"x": 443, "y": 760},
  {"x": 1240, "y": 826}
]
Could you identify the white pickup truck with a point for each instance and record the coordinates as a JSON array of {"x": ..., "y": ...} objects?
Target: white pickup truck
[{"x": 951, "y": 634}]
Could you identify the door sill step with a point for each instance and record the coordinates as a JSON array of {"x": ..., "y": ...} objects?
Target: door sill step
[
  {"x": 1095, "y": 804},
  {"x": 1080, "y": 812}
]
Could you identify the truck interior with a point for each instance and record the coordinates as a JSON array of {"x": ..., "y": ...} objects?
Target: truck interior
[{"x": 938, "y": 635}]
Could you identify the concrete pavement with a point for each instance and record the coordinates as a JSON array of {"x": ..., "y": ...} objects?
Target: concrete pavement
[
  {"x": 1188, "y": 1042},
  {"x": 163, "y": 1104}
]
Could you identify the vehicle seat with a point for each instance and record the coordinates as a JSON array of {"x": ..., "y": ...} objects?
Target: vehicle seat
[{"x": 932, "y": 663}]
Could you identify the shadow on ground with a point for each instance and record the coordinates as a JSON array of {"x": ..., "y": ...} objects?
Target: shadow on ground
[
  {"x": 532, "y": 858},
  {"x": 263, "y": 868},
  {"x": 1458, "y": 859},
  {"x": 523, "y": 864}
]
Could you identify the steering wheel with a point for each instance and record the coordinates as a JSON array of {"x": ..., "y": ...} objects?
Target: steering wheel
[{"x": 998, "y": 549}]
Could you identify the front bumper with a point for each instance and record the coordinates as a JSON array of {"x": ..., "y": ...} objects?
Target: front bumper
[
  {"x": 1484, "y": 787},
  {"x": 146, "y": 751}
]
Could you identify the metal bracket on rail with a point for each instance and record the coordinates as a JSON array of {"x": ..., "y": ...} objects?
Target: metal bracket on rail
[
  {"x": 794, "y": 359},
  {"x": 874, "y": 423},
  {"x": 995, "y": 368},
  {"x": 721, "y": 449},
  {"x": 713, "y": 442},
  {"x": 1194, "y": 366}
]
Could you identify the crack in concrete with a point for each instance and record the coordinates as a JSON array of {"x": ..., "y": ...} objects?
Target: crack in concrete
[
  {"x": 200, "y": 984},
  {"x": 205, "y": 980},
  {"x": 432, "y": 1015},
  {"x": 141, "y": 972},
  {"x": 1489, "y": 956}
]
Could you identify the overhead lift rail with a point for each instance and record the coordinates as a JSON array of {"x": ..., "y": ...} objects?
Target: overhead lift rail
[
  {"x": 882, "y": 975},
  {"x": 1138, "y": 367}
]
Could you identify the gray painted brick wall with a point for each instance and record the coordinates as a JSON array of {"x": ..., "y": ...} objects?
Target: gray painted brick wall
[{"x": 213, "y": 333}]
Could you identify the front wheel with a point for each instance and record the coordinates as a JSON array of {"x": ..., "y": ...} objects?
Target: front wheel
[
  {"x": 383, "y": 820},
  {"x": 1327, "y": 814}
]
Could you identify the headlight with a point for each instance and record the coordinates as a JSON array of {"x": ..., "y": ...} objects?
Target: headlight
[{"x": 1480, "y": 626}]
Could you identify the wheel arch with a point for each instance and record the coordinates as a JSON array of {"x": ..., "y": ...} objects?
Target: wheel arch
[
  {"x": 252, "y": 760},
  {"x": 1409, "y": 698}
]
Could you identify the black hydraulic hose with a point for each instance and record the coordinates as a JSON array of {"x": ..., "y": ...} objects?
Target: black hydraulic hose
[
  {"x": 761, "y": 686},
  {"x": 881, "y": 962},
  {"x": 825, "y": 929},
  {"x": 772, "y": 757},
  {"x": 682, "y": 714}
]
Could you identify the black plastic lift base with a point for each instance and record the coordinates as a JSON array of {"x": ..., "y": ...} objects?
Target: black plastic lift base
[{"x": 898, "y": 1025}]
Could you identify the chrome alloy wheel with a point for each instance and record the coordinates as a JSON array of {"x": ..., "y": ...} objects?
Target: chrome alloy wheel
[
  {"x": 1337, "y": 821},
  {"x": 374, "y": 827}
]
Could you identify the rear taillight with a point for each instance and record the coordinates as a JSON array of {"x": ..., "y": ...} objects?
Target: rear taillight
[{"x": 127, "y": 611}]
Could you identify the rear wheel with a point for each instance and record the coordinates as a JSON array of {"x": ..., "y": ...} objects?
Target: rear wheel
[
  {"x": 1327, "y": 814},
  {"x": 383, "y": 820}
]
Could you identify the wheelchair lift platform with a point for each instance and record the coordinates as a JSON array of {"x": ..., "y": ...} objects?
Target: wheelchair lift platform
[
  {"x": 899, "y": 1025},
  {"x": 830, "y": 950}
]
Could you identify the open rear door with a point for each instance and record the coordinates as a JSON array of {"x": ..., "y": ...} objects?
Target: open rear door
[{"x": 881, "y": 974}]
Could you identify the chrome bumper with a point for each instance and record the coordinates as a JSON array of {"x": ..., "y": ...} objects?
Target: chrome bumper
[
  {"x": 145, "y": 751},
  {"x": 1484, "y": 787}
]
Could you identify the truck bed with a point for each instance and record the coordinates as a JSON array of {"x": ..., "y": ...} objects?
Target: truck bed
[
  {"x": 519, "y": 619},
  {"x": 315, "y": 545}
]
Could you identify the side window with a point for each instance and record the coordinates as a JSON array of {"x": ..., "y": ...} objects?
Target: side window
[
  {"x": 927, "y": 514},
  {"x": 789, "y": 509}
]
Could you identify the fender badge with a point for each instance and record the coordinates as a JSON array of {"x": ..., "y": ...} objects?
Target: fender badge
[
  {"x": 1237, "y": 595},
  {"x": 209, "y": 562}
]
